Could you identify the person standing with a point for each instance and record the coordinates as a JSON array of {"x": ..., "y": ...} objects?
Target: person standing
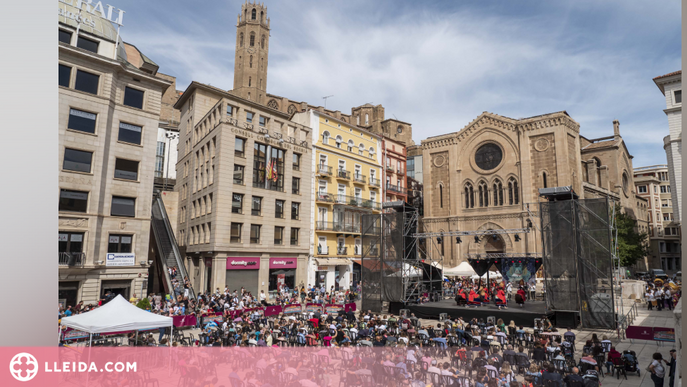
[{"x": 658, "y": 371}]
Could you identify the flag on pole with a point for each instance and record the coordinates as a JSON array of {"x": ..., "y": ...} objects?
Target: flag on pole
[
  {"x": 275, "y": 173},
  {"x": 268, "y": 171}
]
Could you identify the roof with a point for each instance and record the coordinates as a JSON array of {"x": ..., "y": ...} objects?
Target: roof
[
  {"x": 669, "y": 74},
  {"x": 659, "y": 81},
  {"x": 197, "y": 85},
  {"x": 601, "y": 144}
]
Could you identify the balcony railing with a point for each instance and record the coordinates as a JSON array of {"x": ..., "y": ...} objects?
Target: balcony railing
[
  {"x": 341, "y": 250},
  {"x": 324, "y": 170},
  {"x": 390, "y": 168},
  {"x": 396, "y": 189},
  {"x": 322, "y": 250},
  {"x": 374, "y": 182},
  {"x": 71, "y": 259},
  {"x": 325, "y": 197},
  {"x": 358, "y": 178},
  {"x": 337, "y": 226},
  {"x": 354, "y": 201},
  {"x": 343, "y": 174}
]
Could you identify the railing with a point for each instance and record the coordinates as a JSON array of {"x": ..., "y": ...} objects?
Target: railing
[
  {"x": 343, "y": 174},
  {"x": 325, "y": 197},
  {"x": 627, "y": 320},
  {"x": 359, "y": 178},
  {"x": 167, "y": 244},
  {"x": 393, "y": 188},
  {"x": 324, "y": 170},
  {"x": 349, "y": 200},
  {"x": 337, "y": 226},
  {"x": 322, "y": 251},
  {"x": 341, "y": 250},
  {"x": 375, "y": 182},
  {"x": 71, "y": 259},
  {"x": 390, "y": 168}
]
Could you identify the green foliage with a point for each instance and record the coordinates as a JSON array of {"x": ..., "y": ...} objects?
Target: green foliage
[
  {"x": 144, "y": 304},
  {"x": 632, "y": 245}
]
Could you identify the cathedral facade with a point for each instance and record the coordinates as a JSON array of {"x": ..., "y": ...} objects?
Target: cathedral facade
[{"x": 487, "y": 176}]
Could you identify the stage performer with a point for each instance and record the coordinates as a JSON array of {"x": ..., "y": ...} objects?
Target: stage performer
[
  {"x": 501, "y": 298},
  {"x": 521, "y": 297},
  {"x": 460, "y": 298},
  {"x": 472, "y": 296}
]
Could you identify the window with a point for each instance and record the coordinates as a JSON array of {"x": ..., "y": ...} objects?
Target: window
[
  {"x": 278, "y": 235},
  {"x": 252, "y": 39},
  {"x": 122, "y": 206},
  {"x": 294, "y": 236},
  {"x": 295, "y": 185},
  {"x": 81, "y": 121},
  {"x": 678, "y": 96},
  {"x": 64, "y": 75},
  {"x": 665, "y": 189},
  {"x": 126, "y": 169},
  {"x": 483, "y": 195},
  {"x": 87, "y": 44},
  {"x": 238, "y": 174},
  {"x": 65, "y": 36},
  {"x": 295, "y": 210},
  {"x": 237, "y": 203},
  {"x": 160, "y": 159},
  {"x": 240, "y": 147},
  {"x": 253, "y": 15},
  {"x": 249, "y": 117},
  {"x": 235, "y": 233},
  {"x": 230, "y": 110},
  {"x": 498, "y": 193},
  {"x": 469, "y": 200},
  {"x": 77, "y": 160},
  {"x": 441, "y": 193},
  {"x": 279, "y": 209},
  {"x": 325, "y": 137},
  {"x": 666, "y": 217},
  {"x": 664, "y": 203},
  {"x": 275, "y": 181},
  {"x": 513, "y": 197},
  {"x": 296, "y": 162},
  {"x": 262, "y": 121},
  {"x": 70, "y": 242},
  {"x": 76, "y": 201},
  {"x": 256, "y": 206},
  {"x": 130, "y": 133},
  {"x": 339, "y": 139},
  {"x": 254, "y": 233},
  {"x": 86, "y": 82},
  {"x": 119, "y": 244},
  {"x": 641, "y": 189},
  {"x": 133, "y": 97},
  {"x": 543, "y": 178}
]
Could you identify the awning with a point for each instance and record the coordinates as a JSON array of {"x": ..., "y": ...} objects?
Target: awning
[{"x": 332, "y": 261}]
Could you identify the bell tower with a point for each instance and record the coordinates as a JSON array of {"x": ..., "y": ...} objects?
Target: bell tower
[{"x": 252, "y": 47}]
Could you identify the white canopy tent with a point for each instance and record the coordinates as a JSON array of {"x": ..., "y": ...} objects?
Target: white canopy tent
[
  {"x": 492, "y": 275},
  {"x": 412, "y": 271},
  {"x": 117, "y": 315},
  {"x": 462, "y": 270}
]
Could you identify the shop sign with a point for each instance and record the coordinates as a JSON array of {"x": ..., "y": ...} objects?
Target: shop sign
[
  {"x": 243, "y": 263},
  {"x": 120, "y": 259},
  {"x": 97, "y": 9},
  {"x": 283, "y": 263}
]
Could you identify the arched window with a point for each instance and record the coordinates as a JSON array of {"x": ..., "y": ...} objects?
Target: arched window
[
  {"x": 262, "y": 42},
  {"x": 483, "y": 193},
  {"x": 513, "y": 197},
  {"x": 325, "y": 137},
  {"x": 254, "y": 14},
  {"x": 367, "y": 119},
  {"x": 241, "y": 40},
  {"x": 250, "y": 62},
  {"x": 250, "y": 79},
  {"x": 469, "y": 198},
  {"x": 543, "y": 178},
  {"x": 441, "y": 196},
  {"x": 252, "y": 39},
  {"x": 597, "y": 162},
  {"x": 351, "y": 144},
  {"x": 339, "y": 140},
  {"x": 262, "y": 15},
  {"x": 498, "y": 193},
  {"x": 372, "y": 152}
]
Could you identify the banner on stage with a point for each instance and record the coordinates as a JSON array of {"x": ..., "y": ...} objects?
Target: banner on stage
[{"x": 293, "y": 308}]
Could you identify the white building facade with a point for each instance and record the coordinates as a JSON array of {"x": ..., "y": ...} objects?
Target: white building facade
[{"x": 671, "y": 87}]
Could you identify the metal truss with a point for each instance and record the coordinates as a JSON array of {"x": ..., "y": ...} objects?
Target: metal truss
[{"x": 470, "y": 233}]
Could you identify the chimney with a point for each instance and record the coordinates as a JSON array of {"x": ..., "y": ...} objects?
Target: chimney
[{"x": 616, "y": 129}]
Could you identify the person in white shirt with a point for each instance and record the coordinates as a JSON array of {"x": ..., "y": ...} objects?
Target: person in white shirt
[
  {"x": 263, "y": 298},
  {"x": 509, "y": 290},
  {"x": 433, "y": 368}
]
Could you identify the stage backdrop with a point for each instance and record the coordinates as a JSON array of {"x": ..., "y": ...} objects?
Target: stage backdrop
[{"x": 516, "y": 269}]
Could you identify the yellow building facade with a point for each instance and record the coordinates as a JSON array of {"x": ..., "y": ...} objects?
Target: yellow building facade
[{"x": 346, "y": 185}]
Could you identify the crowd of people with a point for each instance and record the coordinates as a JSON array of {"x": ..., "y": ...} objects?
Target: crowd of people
[
  {"x": 467, "y": 292},
  {"x": 662, "y": 295}
]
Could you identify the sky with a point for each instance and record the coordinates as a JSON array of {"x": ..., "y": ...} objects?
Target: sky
[{"x": 440, "y": 64}]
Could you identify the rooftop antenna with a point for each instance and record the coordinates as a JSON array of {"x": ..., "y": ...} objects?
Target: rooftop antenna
[{"x": 325, "y": 100}]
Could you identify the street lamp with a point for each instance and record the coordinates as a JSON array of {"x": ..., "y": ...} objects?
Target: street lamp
[{"x": 171, "y": 136}]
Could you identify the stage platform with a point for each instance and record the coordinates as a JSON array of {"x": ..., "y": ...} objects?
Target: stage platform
[{"x": 521, "y": 316}]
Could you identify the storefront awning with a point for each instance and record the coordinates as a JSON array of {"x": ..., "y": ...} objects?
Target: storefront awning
[{"x": 332, "y": 261}]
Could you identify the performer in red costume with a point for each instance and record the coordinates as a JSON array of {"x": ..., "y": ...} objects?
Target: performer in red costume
[
  {"x": 521, "y": 297},
  {"x": 501, "y": 298}
]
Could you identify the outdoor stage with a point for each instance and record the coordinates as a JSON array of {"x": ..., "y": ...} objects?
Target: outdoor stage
[{"x": 522, "y": 316}]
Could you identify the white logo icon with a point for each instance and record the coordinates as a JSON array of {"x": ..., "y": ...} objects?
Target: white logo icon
[{"x": 23, "y": 367}]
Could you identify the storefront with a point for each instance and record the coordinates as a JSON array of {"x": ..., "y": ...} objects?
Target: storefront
[
  {"x": 282, "y": 273},
  {"x": 243, "y": 272},
  {"x": 333, "y": 272},
  {"x": 67, "y": 293},
  {"x": 116, "y": 287}
]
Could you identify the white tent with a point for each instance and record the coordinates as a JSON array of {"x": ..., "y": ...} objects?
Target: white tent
[
  {"x": 410, "y": 270},
  {"x": 462, "y": 270},
  {"x": 117, "y": 315},
  {"x": 492, "y": 275}
]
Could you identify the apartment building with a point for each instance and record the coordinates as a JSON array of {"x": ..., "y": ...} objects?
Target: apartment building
[
  {"x": 244, "y": 180},
  {"x": 347, "y": 171},
  {"x": 653, "y": 184},
  {"x": 109, "y": 108},
  {"x": 394, "y": 172}
]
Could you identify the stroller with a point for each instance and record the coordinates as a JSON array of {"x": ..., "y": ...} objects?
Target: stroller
[{"x": 630, "y": 362}]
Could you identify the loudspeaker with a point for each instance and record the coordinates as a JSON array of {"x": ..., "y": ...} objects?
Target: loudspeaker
[{"x": 566, "y": 319}]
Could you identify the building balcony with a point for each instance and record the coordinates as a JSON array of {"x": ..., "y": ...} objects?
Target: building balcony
[
  {"x": 358, "y": 178},
  {"x": 390, "y": 168},
  {"x": 337, "y": 227},
  {"x": 343, "y": 174},
  {"x": 71, "y": 259},
  {"x": 341, "y": 250},
  {"x": 322, "y": 250},
  {"x": 397, "y": 190},
  {"x": 374, "y": 182},
  {"x": 355, "y": 202},
  {"x": 325, "y": 197},
  {"x": 324, "y": 170}
]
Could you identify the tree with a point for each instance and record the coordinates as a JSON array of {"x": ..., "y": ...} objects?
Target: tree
[
  {"x": 144, "y": 304},
  {"x": 632, "y": 245}
]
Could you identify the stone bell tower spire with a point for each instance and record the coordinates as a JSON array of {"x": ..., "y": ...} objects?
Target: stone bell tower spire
[{"x": 252, "y": 48}]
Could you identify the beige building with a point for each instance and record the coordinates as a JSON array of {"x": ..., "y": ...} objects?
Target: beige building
[
  {"x": 653, "y": 184},
  {"x": 486, "y": 175},
  {"x": 109, "y": 108},
  {"x": 244, "y": 183}
]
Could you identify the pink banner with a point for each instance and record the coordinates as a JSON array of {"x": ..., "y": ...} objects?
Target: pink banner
[
  {"x": 639, "y": 333},
  {"x": 185, "y": 321},
  {"x": 243, "y": 263},
  {"x": 283, "y": 263},
  {"x": 350, "y": 307},
  {"x": 272, "y": 310}
]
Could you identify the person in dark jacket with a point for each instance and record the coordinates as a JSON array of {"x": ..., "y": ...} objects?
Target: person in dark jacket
[
  {"x": 573, "y": 377},
  {"x": 551, "y": 374}
]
